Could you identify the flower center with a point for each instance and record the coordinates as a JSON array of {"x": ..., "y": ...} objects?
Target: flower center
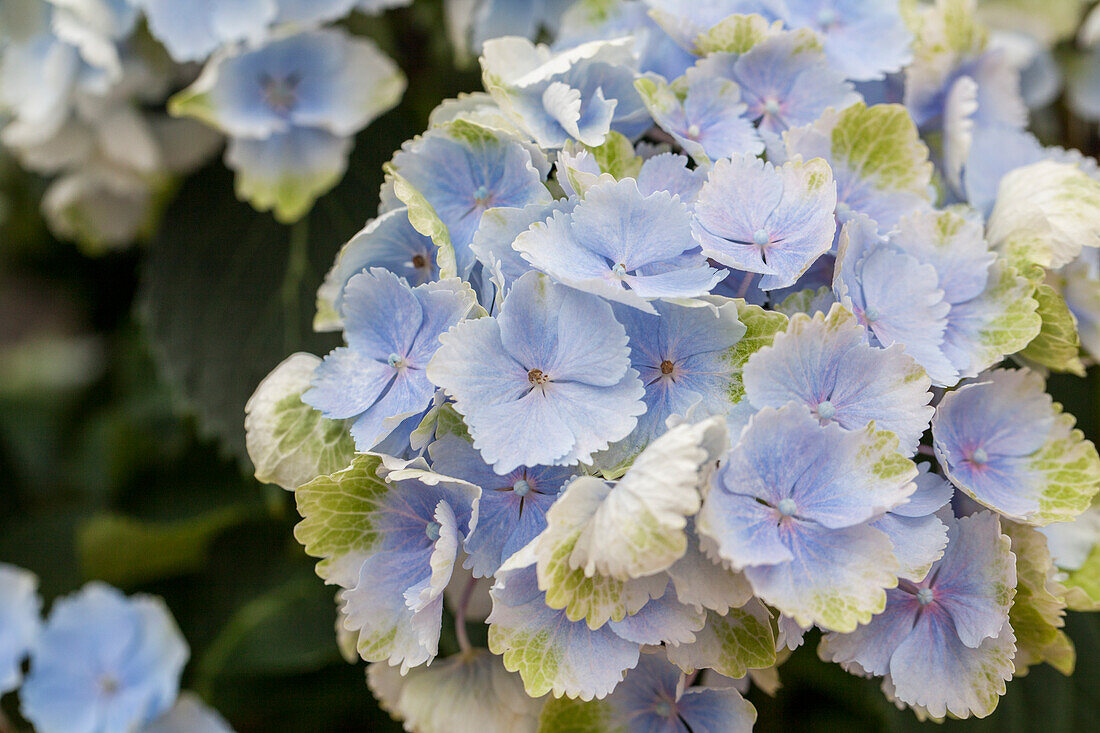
[
  {"x": 786, "y": 507},
  {"x": 481, "y": 195},
  {"x": 771, "y": 106},
  {"x": 619, "y": 269},
  {"x": 419, "y": 261},
  {"x": 395, "y": 361},
  {"x": 693, "y": 131},
  {"x": 667, "y": 367},
  {"x": 432, "y": 531},
  {"x": 108, "y": 684},
  {"x": 521, "y": 488},
  {"x": 281, "y": 94},
  {"x": 663, "y": 709},
  {"x": 760, "y": 238},
  {"x": 826, "y": 17},
  {"x": 826, "y": 410},
  {"x": 871, "y": 315},
  {"x": 979, "y": 456},
  {"x": 924, "y": 596},
  {"x": 537, "y": 376}
]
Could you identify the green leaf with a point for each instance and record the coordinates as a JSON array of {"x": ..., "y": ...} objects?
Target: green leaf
[
  {"x": 1057, "y": 345},
  {"x": 126, "y": 552},
  {"x": 289, "y": 442},
  {"x": 1039, "y": 607},
  {"x": 227, "y": 293},
  {"x": 287, "y": 629}
]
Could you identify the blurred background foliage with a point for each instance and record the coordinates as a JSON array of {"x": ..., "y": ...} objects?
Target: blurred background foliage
[{"x": 122, "y": 388}]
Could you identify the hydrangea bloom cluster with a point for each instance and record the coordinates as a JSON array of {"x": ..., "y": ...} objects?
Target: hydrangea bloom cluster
[
  {"x": 99, "y": 662},
  {"x": 83, "y": 85},
  {"x": 707, "y": 324}
]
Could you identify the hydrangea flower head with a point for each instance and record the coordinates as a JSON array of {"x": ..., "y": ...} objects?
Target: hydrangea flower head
[
  {"x": 622, "y": 246},
  {"x": 945, "y": 643},
  {"x": 754, "y": 216},
  {"x": 790, "y": 506},
  {"x": 392, "y": 332},
  {"x": 825, "y": 363},
  {"x": 1007, "y": 445},
  {"x": 547, "y": 382},
  {"x": 19, "y": 624},
  {"x": 103, "y": 662}
]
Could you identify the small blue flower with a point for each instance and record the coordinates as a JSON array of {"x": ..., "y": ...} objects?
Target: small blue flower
[
  {"x": 290, "y": 108},
  {"x": 103, "y": 663},
  {"x": 580, "y": 94},
  {"x": 622, "y": 246},
  {"x": 894, "y": 296},
  {"x": 945, "y": 643},
  {"x": 388, "y": 242},
  {"x": 790, "y": 505},
  {"x": 19, "y": 624},
  {"x": 825, "y": 363},
  {"x": 193, "y": 30},
  {"x": 651, "y": 699},
  {"x": 547, "y": 382},
  {"x": 1004, "y": 442},
  {"x": 754, "y": 216},
  {"x": 512, "y": 508},
  {"x": 785, "y": 82},
  {"x": 682, "y": 355},
  {"x": 703, "y": 113},
  {"x": 463, "y": 170},
  {"x": 392, "y": 331}
]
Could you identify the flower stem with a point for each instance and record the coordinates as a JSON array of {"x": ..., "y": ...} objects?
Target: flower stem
[
  {"x": 460, "y": 616},
  {"x": 296, "y": 264}
]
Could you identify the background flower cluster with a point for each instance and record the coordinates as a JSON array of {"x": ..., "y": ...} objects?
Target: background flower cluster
[{"x": 701, "y": 370}]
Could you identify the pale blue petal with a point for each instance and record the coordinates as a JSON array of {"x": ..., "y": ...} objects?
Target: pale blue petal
[
  {"x": 669, "y": 172},
  {"x": 661, "y": 620},
  {"x": 863, "y": 39},
  {"x": 381, "y": 314},
  {"x": 20, "y": 606},
  {"x": 867, "y": 650},
  {"x": 346, "y": 384}
]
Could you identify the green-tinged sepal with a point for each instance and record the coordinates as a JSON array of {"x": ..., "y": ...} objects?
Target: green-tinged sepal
[
  {"x": 736, "y": 34},
  {"x": 1038, "y": 609},
  {"x": 730, "y": 644},
  {"x": 289, "y": 442},
  {"x": 1057, "y": 346},
  {"x": 424, "y": 220},
  {"x": 761, "y": 327}
]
